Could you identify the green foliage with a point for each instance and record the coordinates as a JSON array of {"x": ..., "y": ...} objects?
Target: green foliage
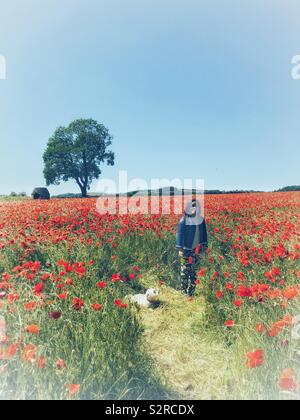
[
  {"x": 76, "y": 153},
  {"x": 290, "y": 188}
]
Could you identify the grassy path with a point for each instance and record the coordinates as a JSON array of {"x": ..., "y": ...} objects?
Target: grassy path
[{"x": 188, "y": 363}]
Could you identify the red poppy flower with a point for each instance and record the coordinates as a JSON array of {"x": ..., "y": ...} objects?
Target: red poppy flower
[
  {"x": 33, "y": 329},
  {"x": 101, "y": 284},
  {"x": 73, "y": 389},
  {"x": 260, "y": 328},
  {"x": 77, "y": 304},
  {"x": 201, "y": 272},
  {"x": 287, "y": 380},
  {"x": 219, "y": 294},
  {"x": 9, "y": 352},
  {"x": 38, "y": 288},
  {"x": 30, "y": 306},
  {"x": 116, "y": 278},
  {"x": 291, "y": 292},
  {"x": 243, "y": 291},
  {"x": 60, "y": 364},
  {"x": 255, "y": 359},
  {"x": 55, "y": 315},
  {"x": 41, "y": 362},
  {"x": 96, "y": 306},
  {"x": 45, "y": 276},
  {"x": 229, "y": 324},
  {"x": 63, "y": 296},
  {"x": 30, "y": 353}
]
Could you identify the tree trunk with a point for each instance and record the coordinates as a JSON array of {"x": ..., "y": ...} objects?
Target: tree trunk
[{"x": 83, "y": 191}]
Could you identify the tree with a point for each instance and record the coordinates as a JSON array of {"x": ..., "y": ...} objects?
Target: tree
[{"x": 77, "y": 152}]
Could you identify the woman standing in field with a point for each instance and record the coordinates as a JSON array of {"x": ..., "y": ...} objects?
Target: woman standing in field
[{"x": 191, "y": 241}]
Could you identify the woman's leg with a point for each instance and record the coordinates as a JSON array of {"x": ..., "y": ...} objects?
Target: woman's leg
[
  {"x": 184, "y": 275},
  {"x": 192, "y": 277}
]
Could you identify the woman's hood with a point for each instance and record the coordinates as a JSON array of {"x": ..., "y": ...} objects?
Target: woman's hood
[{"x": 193, "y": 214}]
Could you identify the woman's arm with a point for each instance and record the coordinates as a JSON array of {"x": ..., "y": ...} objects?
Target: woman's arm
[
  {"x": 203, "y": 236},
  {"x": 180, "y": 236}
]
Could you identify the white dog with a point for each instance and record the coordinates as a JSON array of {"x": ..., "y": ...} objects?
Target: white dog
[{"x": 146, "y": 300}]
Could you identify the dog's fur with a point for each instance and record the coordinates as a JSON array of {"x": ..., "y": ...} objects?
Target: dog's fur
[{"x": 147, "y": 300}]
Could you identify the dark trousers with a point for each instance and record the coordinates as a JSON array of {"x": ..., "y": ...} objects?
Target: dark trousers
[{"x": 188, "y": 276}]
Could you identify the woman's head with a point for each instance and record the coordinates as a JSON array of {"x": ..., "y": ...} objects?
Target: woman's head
[
  {"x": 193, "y": 213},
  {"x": 192, "y": 208}
]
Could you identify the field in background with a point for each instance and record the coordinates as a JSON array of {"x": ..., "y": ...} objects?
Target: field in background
[{"x": 66, "y": 273}]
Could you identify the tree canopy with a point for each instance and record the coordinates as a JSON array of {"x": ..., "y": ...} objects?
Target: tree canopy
[{"x": 77, "y": 152}]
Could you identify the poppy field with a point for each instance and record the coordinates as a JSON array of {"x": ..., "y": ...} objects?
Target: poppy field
[{"x": 68, "y": 331}]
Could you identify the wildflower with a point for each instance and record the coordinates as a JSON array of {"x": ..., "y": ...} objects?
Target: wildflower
[
  {"x": 101, "y": 285},
  {"x": 287, "y": 380},
  {"x": 30, "y": 353},
  {"x": 120, "y": 304},
  {"x": 30, "y": 306},
  {"x": 45, "y": 276},
  {"x": 255, "y": 359},
  {"x": 9, "y": 352},
  {"x": 60, "y": 364},
  {"x": 229, "y": 324},
  {"x": 291, "y": 293},
  {"x": 260, "y": 328},
  {"x": 241, "y": 276},
  {"x": 13, "y": 297},
  {"x": 219, "y": 294},
  {"x": 38, "y": 288},
  {"x": 73, "y": 389},
  {"x": 116, "y": 278},
  {"x": 79, "y": 270},
  {"x": 55, "y": 315},
  {"x": 77, "y": 304},
  {"x": 63, "y": 296},
  {"x": 33, "y": 329},
  {"x": 201, "y": 272},
  {"x": 243, "y": 291},
  {"x": 41, "y": 362},
  {"x": 96, "y": 306}
]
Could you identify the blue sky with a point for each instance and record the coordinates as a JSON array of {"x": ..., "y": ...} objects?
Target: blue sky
[{"x": 188, "y": 88}]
